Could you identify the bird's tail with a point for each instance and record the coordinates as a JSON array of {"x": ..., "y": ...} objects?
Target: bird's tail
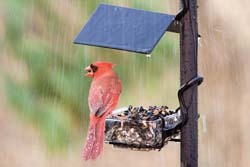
[{"x": 95, "y": 139}]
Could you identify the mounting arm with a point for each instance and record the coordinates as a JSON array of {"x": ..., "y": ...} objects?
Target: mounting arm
[{"x": 183, "y": 11}]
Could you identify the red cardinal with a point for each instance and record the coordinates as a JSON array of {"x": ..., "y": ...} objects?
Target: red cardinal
[{"x": 103, "y": 98}]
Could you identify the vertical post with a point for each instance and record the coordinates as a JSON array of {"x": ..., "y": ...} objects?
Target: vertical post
[{"x": 188, "y": 70}]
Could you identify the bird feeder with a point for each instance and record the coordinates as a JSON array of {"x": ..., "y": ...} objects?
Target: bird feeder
[
  {"x": 140, "y": 128},
  {"x": 147, "y": 128}
]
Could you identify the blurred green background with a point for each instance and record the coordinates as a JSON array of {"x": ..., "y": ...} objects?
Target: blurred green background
[
  {"x": 44, "y": 111},
  {"x": 53, "y": 94}
]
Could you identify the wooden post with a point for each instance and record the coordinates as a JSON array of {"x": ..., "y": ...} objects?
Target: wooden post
[{"x": 188, "y": 70}]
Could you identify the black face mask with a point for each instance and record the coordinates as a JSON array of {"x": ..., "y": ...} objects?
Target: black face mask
[{"x": 94, "y": 68}]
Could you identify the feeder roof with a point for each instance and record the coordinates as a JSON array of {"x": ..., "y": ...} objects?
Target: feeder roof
[{"x": 124, "y": 28}]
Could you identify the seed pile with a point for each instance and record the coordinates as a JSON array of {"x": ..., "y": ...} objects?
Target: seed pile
[
  {"x": 138, "y": 127},
  {"x": 149, "y": 114}
]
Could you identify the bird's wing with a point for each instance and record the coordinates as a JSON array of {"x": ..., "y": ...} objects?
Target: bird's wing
[
  {"x": 104, "y": 95},
  {"x": 95, "y": 101}
]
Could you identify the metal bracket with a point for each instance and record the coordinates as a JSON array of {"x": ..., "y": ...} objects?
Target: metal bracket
[
  {"x": 183, "y": 11},
  {"x": 193, "y": 82},
  {"x": 179, "y": 16}
]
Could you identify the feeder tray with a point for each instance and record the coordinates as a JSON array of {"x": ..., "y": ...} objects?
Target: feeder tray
[
  {"x": 141, "y": 128},
  {"x": 144, "y": 129}
]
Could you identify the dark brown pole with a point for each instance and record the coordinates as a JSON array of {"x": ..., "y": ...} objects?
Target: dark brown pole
[{"x": 188, "y": 70}]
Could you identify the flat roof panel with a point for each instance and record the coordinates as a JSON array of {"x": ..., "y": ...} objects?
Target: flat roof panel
[{"x": 124, "y": 28}]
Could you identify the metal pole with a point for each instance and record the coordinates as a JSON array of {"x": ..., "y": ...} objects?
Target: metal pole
[{"x": 188, "y": 70}]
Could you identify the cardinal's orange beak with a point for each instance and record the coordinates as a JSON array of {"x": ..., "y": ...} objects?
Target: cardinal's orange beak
[{"x": 89, "y": 71}]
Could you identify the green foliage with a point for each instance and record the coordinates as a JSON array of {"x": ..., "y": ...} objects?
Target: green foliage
[
  {"x": 46, "y": 114},
  {"x": 14, "y": 20}
]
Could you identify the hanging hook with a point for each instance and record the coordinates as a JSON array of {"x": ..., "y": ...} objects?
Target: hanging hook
[{"x": 184, "y": 108}]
